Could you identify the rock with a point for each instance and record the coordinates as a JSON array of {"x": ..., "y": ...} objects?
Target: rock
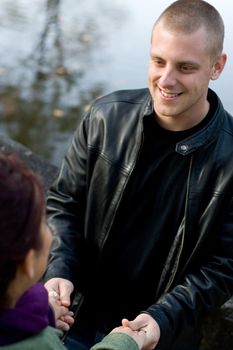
[
  {"x": 46, "y": 171},
  {"x": 218, "y": 331}
]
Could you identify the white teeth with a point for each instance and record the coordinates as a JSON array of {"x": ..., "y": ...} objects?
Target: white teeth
[{"x": 168, "y": 94}]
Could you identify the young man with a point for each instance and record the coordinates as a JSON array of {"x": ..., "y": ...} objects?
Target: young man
[{"x": 142, "y": 208}]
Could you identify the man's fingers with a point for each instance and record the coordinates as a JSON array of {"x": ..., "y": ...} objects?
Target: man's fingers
[
  {"x": 125, "y": 322},
  {"x": 67, "y": 319},
  {"x": 136, "y": 324},
  {"x": 64, "y": 322},
  {"x": 62, "y": 325},
  {"x": 65, "y": 312},
  {"x": 65, "y": 289}
]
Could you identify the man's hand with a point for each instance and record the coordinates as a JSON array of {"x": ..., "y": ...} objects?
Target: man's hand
[
  {"x": 59, "y": 291},
  {"x": 146, "y": 323},
  {"x": 63, "y": 316}
]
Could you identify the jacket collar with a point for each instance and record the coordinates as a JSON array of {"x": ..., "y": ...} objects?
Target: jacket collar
[{"x": 204, "y": 136}]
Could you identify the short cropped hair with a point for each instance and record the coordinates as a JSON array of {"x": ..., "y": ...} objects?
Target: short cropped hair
[{"x": 187, "y": 16}]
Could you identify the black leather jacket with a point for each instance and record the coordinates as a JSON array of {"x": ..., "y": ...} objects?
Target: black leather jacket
[{"x": 198, "y": 275}]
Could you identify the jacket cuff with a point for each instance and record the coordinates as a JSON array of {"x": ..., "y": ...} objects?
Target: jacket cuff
[{"x": 160, "y": 317}]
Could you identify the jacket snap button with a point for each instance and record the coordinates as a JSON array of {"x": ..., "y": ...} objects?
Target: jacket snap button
[{"x": 184, "y": 148}]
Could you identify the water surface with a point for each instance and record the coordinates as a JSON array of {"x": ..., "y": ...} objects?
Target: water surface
[{"x": 58, "y": 55}]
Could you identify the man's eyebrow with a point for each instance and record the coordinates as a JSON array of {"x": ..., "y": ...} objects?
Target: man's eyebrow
[
  {"x": 191, "y": 63},
  {"x": 187, "y": 62},
  {"x": 156, "y": 56}
]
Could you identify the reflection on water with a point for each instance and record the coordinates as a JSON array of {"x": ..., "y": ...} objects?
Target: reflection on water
[
  {"x": 58, "y": 55},
  {"x": 43, "y": 88}
]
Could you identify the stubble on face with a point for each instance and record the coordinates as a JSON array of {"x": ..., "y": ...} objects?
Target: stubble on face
[{"x": 178, "y": 77}]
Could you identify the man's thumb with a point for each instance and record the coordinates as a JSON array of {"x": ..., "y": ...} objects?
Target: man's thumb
[{"x": 65, "y": 292}]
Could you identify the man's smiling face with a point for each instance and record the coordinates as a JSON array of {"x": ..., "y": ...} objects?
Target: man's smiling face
[{"x": 180, "y": 68}]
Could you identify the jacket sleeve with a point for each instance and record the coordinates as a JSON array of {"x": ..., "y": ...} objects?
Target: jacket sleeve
[
  {"x": 207, "y": 286},
  {"x": 116, "y": 341},
  {"x": 66, "y": 204}
]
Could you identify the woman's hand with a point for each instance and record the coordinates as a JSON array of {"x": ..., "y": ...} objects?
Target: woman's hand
[{"x": 138, "y": 336}]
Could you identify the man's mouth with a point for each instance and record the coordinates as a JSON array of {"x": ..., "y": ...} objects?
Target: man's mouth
[{"x": 170, "y": 95}]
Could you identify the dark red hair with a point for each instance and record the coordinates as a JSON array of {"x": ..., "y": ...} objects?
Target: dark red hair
[{"x": 21, "y": 211}]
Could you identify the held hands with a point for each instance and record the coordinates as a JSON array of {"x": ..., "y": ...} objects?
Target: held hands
[
  {"x": 146, "y": 331},
  {"x": 143, "y": 329},
  {"x": 59, "y": 291},
  {"x": 138, "y": 336}
]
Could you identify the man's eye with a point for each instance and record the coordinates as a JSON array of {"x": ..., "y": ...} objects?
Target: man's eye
[
  {"x": 186, "y": 68},
  {"x": 158, "y": 62}
]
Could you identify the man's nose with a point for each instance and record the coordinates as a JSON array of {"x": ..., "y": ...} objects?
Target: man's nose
[{"x": 168, "y": 77}]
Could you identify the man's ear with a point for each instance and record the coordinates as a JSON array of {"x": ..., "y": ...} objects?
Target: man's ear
[
  {"x": 218, "y": 66},
  {"x": 28, "y": 264}
]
